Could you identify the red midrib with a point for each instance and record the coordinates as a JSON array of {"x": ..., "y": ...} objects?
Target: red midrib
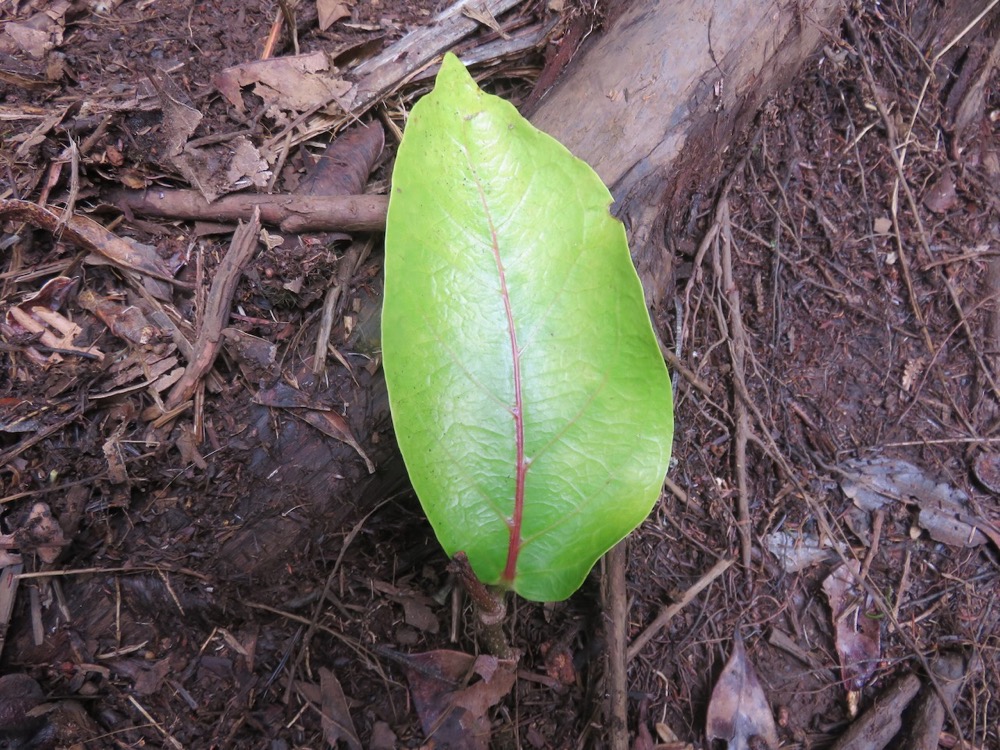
[{"x": 517, "y": 411}]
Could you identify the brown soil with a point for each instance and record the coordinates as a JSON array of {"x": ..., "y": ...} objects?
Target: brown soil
[{"x": 222, "y": 569}]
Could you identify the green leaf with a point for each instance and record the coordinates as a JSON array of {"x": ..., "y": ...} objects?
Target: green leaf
[{"x": 528, "y": 393}]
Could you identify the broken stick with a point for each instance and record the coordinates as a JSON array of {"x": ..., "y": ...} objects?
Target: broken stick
[
  {"x": 669, "y": 611},
  {"x": 291, "y": 213},
  {"x": 216, "y": 315}
]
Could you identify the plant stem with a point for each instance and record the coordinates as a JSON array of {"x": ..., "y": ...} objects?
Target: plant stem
[{"x": 490, "y": 604}]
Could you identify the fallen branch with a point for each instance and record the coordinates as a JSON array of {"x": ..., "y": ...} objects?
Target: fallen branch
[{"x": 291, "y": 213}]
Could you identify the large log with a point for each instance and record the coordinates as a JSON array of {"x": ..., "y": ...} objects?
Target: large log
[{"x": 655, "y": 101}]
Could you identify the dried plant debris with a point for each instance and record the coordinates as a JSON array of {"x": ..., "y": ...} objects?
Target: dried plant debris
[
  {"x": 320, "y": 416},
  {"x": 666, "y": 738},
  {"x": 986, "y": 467},
  {"x": 927, "y": 715},
  {"x": 38, "y": 318},
  {"x": 39, "y": 533},
  {"x": 127, "y": 322},
  {"x": 738, "y": 711},
  {"x": 344, "y": 167},
  {"x": 451, "y": 702},
  {"x": 337, "y": 722},
  {"x": 214, "y": 171},
  {"x": 20, "y": 726},
  {"x": 289, "y": 86},
  {"x": 858, "y": 633},
  {"x": 38, "y": 35},
  {"x": 944, "y": 510},
  {"x": 877, "y": 726},
  {"x": 107, "y": 247},
  {"x": 799, "y": 551}
]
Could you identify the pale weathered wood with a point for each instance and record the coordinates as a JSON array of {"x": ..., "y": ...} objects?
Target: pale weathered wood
[{"x": 666, "y": 89}]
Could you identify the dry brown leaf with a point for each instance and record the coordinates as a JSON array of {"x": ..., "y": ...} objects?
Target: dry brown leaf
[
  {"x": 858, "y": 634},
  {"x": 344, "y": 167},
  {"x": 326, "y": 421},
  {"x": 944, "y": 510},
  {"x": 288, "y": 85},
  {"x": 738, "y": 710},
  {"x": 337, "y": 722},
  {"x": 247, "y": 166},
  {"x": 941, "y": 196},
  {"x": 451, "y": 703},
  {"x": 882, "y": 225},
  {"x": 330, "y": 11},
  {"x": 38, "y": 35}
]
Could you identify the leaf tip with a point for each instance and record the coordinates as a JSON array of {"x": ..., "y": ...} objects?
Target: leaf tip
[{"x": 453, "y": 70}]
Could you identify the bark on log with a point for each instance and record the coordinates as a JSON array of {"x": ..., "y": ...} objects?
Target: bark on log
[{"x": 654, "y": 103}]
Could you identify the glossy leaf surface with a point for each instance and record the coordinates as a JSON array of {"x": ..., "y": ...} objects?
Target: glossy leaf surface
[{"x": 528, "y": 393}]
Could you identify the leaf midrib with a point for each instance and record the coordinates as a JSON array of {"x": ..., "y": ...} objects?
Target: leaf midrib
[{"x": 514, "y": 523}]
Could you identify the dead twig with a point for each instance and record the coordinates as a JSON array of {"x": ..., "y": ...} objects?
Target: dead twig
[
  {"x": 206, "y": 345},
  {"x": 356, "y": 254},
  {"x": 90, "y": 235},
  {"x": 616, "y": 614},
  {"x": 155, "y": 724},
  {"x": 735, "y": 336},
  {"x": 879, "y": 724},
  {"x": 670, "y": 611}
]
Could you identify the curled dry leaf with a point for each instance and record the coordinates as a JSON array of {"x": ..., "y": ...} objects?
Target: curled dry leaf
[
  {"x": 738, "y": 711},
  {"x": 330, "y": 11},
  {"x": 343, "y": 168},
  {"x": 857, "y": 633}
]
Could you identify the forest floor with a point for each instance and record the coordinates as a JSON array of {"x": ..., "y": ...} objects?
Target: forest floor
[{"x": 208, "y": 537}]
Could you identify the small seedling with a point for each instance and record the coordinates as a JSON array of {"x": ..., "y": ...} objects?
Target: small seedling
[{"x": 528, "y": 393}]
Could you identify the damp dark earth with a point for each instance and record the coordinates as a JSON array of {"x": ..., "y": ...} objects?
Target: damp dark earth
[{"x": 208, "y": 537}]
